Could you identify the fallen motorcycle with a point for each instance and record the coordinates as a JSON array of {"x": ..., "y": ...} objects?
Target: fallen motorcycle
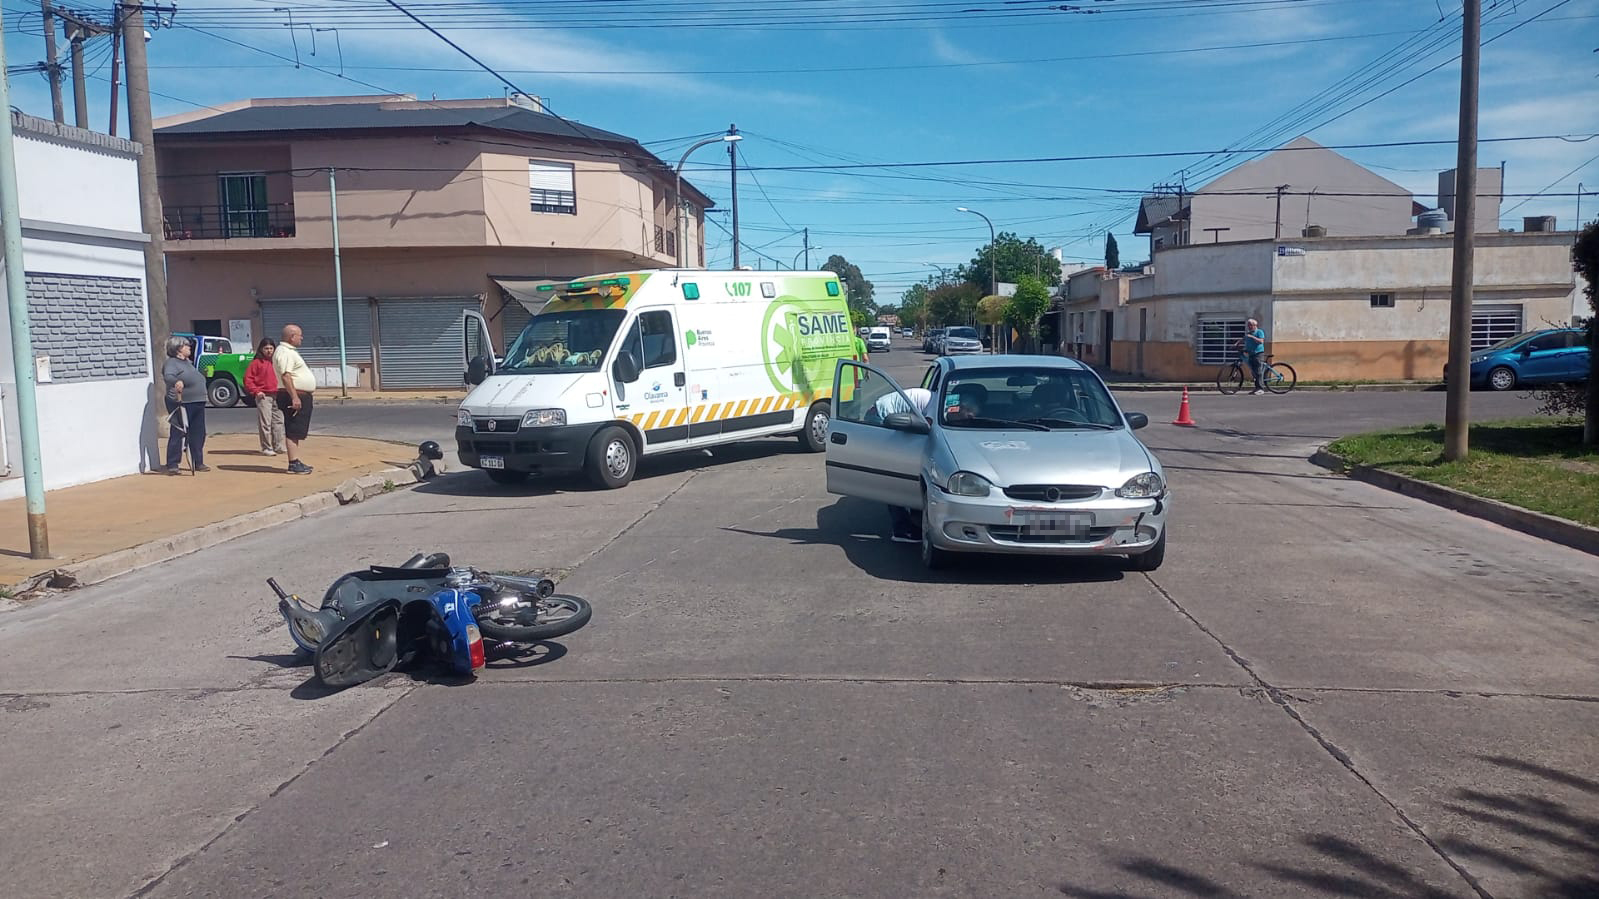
[{"x": 374, "y": 621}]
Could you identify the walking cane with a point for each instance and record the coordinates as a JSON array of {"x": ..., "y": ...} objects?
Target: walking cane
[{"x": 179, "y": 420}]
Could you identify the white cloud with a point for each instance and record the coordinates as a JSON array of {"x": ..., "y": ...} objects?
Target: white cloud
[{"x": 944, "y": 50}]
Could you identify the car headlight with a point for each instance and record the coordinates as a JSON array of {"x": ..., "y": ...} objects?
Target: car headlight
[
  {"x": 544, "y": 418},
  {"x": 1478, "y": 360},
  {"x": 964, "y": 483},
  {"x": 1142, "y": 486},
  {"x": 463, "y": 418}
]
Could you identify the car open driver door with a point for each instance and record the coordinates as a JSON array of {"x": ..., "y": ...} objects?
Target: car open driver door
[{"x": 875, "y": 443}]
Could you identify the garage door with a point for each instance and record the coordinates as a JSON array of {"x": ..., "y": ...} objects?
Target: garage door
[
  {"x": 320, "y": 322},
  {"x": 1491, "y": 324},
  {"x": 419, "y": 341},
  {"x": 512, "y": 320}
]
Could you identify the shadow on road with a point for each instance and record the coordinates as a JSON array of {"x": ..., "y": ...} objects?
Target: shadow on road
[
  {"x": 1550, "y": 847},
  {"x": 861, "y": 529},
  {"x": 468, "y": 482}
]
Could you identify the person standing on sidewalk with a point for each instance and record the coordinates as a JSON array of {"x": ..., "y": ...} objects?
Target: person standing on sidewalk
[
  {"x": 261, "y": 383},
  {"x": 296, "y": 385},
  {"x": 186, "y": 391}
]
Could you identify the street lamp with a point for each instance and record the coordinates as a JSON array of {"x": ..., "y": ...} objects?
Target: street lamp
[
  {"x": 993, "y": 262},
  {"x": 804, "y": 252},
  {"x": 677, "y": 195}
]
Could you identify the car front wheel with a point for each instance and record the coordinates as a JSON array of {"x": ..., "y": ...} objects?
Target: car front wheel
[
  {"x": 1149, "y": 559},
  {"x": 1502, "y": 378}
]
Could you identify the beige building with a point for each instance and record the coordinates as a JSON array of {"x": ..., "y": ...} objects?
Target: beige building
[
  {"x": 1351, "y": 308},
  {"x": 442, "y": 206},
  {"x": 1299, "y": 190}
]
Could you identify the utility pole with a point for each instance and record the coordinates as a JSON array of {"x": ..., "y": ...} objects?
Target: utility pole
[
  {"x": 1457, "y": 418},
  {"x": 1216, "y": 233},
  {"x": 338, "y": 278},
  {"x": 141, "y": 130},
  {"x": 732, "y": 159},
  {"x": 808, "y": 232},
  {"x": 1279, "y": 232},
  {"x": 53, "y": 61},
  {"x": 116, "y": 45},
  {"x": 80, "y": 89},
  {"x": 21, "y": 331}
]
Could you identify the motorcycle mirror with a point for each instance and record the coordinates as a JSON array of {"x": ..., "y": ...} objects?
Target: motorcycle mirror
[{"x": 362, "y": 648}]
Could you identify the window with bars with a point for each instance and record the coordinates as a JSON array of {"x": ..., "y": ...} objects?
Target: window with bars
[
  {"x": 551, "y": 187},
  {"x": 1491, "y": 324},
  {"x": 1215, "y": 336},
  {"x": 1382, "y": 301}
]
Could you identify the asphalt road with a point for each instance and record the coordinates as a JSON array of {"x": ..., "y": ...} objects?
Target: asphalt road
[{"x": 1327, "y": 690}]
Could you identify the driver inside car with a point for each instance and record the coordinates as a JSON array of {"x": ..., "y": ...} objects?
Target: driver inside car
[{"x": 964, "y": 402}]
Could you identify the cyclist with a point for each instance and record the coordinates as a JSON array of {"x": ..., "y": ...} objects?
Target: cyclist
[{"x": 1253, "y": 345}]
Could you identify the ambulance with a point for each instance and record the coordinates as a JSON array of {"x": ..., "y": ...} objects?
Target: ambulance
[{"x": 621, "y": 366}]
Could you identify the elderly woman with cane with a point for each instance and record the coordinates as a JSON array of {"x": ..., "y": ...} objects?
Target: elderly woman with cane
[{"x": 186, "y": 405}]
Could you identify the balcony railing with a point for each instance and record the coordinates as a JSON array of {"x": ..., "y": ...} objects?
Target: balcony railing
[{"x": 222, "y": 223}]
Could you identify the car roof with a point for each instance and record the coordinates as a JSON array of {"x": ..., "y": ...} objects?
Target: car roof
[{"x": 1012, "y": 360}]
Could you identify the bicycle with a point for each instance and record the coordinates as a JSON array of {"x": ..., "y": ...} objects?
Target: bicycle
[{"x": 1279, "y": 377}]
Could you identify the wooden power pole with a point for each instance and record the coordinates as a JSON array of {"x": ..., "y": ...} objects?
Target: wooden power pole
[{"x": 1457, "y": 418}]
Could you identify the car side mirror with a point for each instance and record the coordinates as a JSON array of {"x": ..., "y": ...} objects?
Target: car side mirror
[
  {"x": 1136, "y": 420},
  {"x": 906, "y": 421},
  {"x": 1526, "y": 350},
  {"x": 478, "y": 370},
  {"x": 625, "y": 369}
]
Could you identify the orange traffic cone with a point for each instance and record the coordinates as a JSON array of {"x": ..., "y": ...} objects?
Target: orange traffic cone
[{"x": 1184, "y": 420}]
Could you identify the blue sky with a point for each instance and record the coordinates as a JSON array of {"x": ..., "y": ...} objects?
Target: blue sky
[{"x": 922, "y": 80}]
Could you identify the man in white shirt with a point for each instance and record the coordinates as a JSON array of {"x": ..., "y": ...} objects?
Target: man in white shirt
[
  {"x": 296, "y": 386},
  {"x": 905, "y": 527}
]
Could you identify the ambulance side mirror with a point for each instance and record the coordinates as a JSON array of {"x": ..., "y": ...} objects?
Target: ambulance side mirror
[{"x": 625, "y": 368}]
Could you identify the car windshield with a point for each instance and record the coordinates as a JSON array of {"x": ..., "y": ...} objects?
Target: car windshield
[
  {"x": 569, "y": 341},
  {"x": 1027, "y": 398},
  {"x": 1507, "y": 342},
  {"x": 963, "y": 333}
]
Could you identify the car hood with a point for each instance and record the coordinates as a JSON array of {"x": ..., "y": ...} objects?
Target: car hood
[
  {"x": 1007, "y": 458},
  {"x": 511, "y": 395}
]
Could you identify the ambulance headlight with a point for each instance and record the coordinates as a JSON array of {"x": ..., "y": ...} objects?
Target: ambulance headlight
[
  {"x": 544, "y": 418},
  {"x": 463, "y": 418}
]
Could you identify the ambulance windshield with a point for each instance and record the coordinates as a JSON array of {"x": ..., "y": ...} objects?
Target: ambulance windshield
[{"x": 568, "y": 341}]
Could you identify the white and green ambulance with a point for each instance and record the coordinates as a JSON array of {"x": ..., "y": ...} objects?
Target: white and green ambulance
[{"x": 620, "y": 366}]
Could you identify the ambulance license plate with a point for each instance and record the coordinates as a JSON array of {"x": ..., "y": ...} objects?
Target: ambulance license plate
[{"x": 491, "y": 461}]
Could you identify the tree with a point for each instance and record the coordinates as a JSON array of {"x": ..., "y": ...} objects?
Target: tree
[
  {"x": 952, "y": 304},
  {"x": 1016, "y": 257},
  {"x": 1113, "y": 253},
  {"x": 1030, "y": 301},
  {"x": 1585, "y": 259},
  {"x": 856, "y": 287}
]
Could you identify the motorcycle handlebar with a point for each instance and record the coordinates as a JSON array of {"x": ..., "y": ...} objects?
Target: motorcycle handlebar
[{"x": 272, "y": 582}]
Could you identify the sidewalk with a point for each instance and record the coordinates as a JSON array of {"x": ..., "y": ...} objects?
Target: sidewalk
[
  {"x": 95, "y": 519},
  {"x": 327, "y": 395}
]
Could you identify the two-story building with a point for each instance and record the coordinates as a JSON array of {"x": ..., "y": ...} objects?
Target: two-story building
[{"x": 442, "y": 206}]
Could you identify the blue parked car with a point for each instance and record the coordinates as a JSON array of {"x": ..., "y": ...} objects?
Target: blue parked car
[{"x": 1550, "y": 356}]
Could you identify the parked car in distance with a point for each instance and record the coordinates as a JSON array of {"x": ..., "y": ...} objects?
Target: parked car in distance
[
  {"x": 879, "y": 339},
  {"x": 960, "y": 341},
  {"x": 1014, "y": 454},
  {"x": 1548, "y": 356},
  {"x": 907, "y": 333},
  {"x": 222, "y": 368},
  {"x": 930, "y": 340}
]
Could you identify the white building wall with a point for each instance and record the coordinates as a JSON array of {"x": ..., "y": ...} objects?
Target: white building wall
[{"x": 70, "y": 180}]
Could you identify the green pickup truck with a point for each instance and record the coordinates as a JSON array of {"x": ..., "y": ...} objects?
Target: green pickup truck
[{"x": 222, "y": 367}]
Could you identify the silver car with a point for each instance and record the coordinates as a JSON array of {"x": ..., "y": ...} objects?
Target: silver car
[
  {"x": 1013, "y": 454},
  {"x": 960, "y": 341}
]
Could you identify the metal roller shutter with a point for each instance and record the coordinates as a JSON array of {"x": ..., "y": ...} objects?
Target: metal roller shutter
[
  {"x": 419, "y": 341},
  {"x": 1491, "y": 324},
  {"x": 512, "y": 320},
  {"x": 319, "y": 319}
]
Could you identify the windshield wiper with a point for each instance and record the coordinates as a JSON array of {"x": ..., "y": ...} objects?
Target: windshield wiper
[
  {"x": 995, "y": 422},
  {"x": 1066, "y": 423}
]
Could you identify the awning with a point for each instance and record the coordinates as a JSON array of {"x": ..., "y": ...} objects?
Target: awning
[{"x": 526, "y": 290}]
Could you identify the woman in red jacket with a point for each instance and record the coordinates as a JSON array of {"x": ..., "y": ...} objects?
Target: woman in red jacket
[{"x": 261, "y": 383}]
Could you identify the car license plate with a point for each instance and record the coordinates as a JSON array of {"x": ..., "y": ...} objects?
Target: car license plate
[
  {"x": 491, "y": 461},
  {"x": 1052, "y": 523}
]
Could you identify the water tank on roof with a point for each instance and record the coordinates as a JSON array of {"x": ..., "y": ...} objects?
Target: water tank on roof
[
  {"x": 1315, "y": 231},
  {"x": 1433, "y": 218},
  {"x": 1538, "y": 223}
]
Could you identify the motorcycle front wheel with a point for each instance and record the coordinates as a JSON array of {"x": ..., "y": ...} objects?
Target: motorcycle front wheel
[{"x": 543, "y": 618}]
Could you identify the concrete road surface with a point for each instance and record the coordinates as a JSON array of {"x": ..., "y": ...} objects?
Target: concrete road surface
[{"x": 1327, "y": 690}]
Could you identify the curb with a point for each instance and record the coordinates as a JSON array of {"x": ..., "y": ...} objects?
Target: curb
[
  {"x": 124, "y": 561},
  {"x": 1535, "y": 524},
  {"x": 1324, "y": 388}
]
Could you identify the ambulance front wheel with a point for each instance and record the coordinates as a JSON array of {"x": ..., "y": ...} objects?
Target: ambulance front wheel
[
  {"x": 612, "y": 459},
  {"x": 814, "y": 437}
]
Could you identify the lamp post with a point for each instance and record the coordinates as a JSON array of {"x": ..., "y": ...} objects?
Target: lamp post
[
  {"x": 993, "y": 261},
  {"x": 677, "y": 195},
  {"x": 805, "y": 252},
  {"x": 993, "y": 255}
]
